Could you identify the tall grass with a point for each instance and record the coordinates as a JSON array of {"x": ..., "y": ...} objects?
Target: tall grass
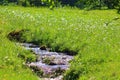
[{"x": 93, "y": 35}]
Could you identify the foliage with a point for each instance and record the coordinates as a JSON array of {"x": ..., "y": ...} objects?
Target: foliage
[
  {"x": 94, "y": 36},
  {"x": 89, "y": 4}
]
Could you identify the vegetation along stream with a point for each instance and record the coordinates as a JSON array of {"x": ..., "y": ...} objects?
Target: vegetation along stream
[{"x": 49, "y": 65}]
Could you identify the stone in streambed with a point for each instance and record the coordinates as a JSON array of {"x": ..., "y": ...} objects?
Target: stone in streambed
[
  {"x": 48, "y": 70},
  {"x": 56, "y": 59},
  {"x": 57, "y": 78},
  {"x": 43, "y": 47}
]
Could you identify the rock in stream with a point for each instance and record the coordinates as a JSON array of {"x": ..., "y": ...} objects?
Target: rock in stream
[{"x": 52, "y": 64}]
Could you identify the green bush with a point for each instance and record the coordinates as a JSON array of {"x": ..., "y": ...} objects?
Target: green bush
[{"x": 82, "y": 4}]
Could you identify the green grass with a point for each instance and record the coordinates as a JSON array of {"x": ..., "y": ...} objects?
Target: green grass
[
  {"x": 12, "y": 67},
  {"x": 93, "y": 35}
]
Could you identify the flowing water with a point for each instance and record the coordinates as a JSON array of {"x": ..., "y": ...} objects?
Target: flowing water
[{"x": 52, "y": 64}]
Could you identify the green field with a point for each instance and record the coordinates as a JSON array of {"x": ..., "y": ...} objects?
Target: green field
[{"x": 93, "y": 36}]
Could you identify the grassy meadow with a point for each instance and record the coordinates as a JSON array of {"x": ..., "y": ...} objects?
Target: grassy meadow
[{"x": 92, "y": 36}]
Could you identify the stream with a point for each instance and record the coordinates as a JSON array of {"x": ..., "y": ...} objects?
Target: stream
[{"x": 52, "y": 64}]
